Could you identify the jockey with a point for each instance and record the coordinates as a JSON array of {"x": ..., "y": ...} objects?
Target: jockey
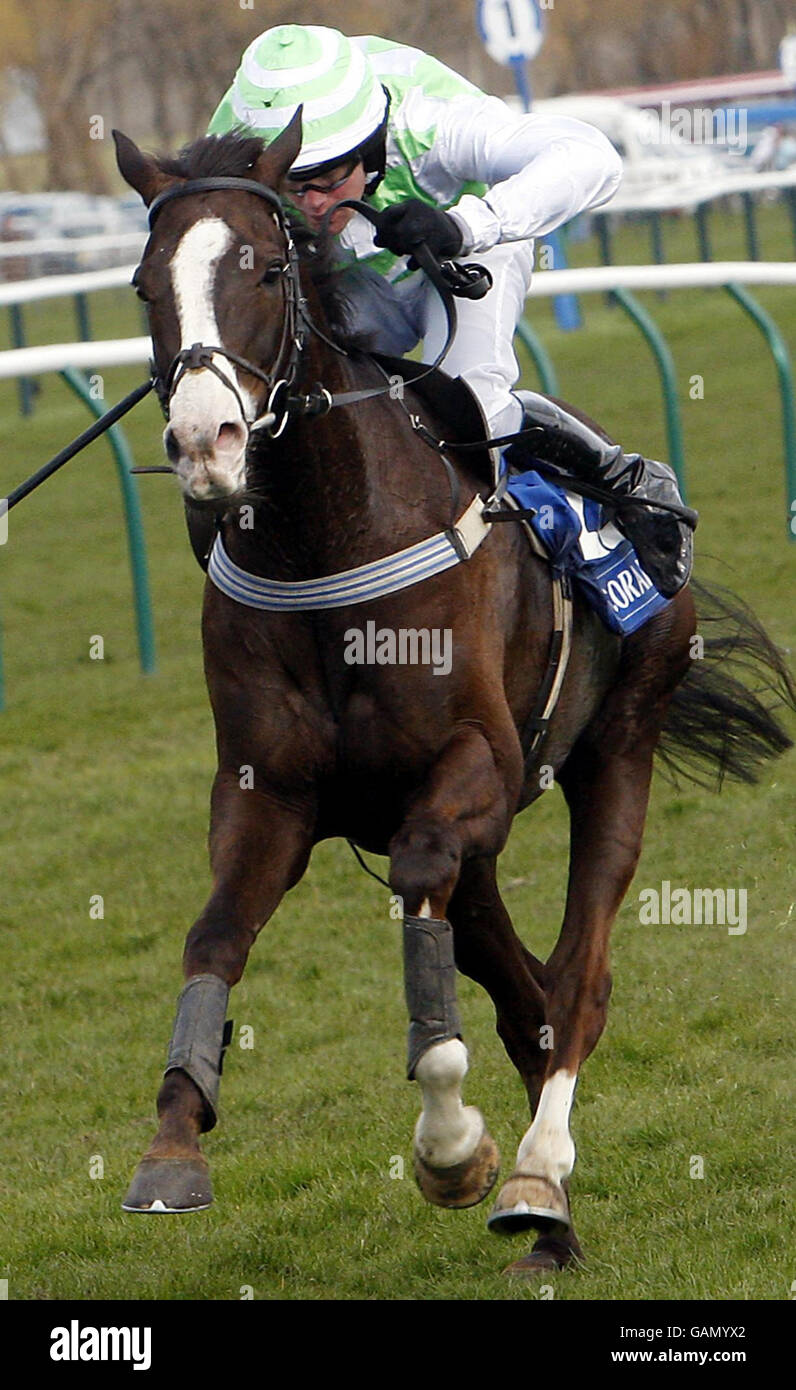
[{"x": 445, "y": 164}]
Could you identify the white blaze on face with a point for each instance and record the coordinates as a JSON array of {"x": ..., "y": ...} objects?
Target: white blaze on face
[{"x": 202, "y": 403}]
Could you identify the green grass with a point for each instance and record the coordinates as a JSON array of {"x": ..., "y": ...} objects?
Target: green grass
[{"x": 105, "y": 783}]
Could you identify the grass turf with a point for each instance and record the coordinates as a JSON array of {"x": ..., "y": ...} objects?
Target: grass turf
[{"x": 105, "y": 782}]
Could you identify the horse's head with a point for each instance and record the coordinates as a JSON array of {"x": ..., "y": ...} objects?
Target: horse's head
[{"x": 215, "y": 274}]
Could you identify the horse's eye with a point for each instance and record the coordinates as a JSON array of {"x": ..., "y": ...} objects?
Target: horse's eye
[{"x": 272, "y": 273}]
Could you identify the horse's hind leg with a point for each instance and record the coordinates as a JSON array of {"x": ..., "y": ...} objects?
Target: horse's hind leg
[
  {"x": 606, "y": 782},
  {"x": 607, "y": 796},
  {"x": 258, "y": 850},
  {"x": 490, "y": 952},
  {"x": 462, "y": 809}
]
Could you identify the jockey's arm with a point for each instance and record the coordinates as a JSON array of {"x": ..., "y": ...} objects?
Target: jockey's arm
[{"x": 540, "y": 170}]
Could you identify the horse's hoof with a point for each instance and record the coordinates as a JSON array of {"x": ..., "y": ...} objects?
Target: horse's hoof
[
  {"x": 526, "y": 1202},
  {"x": 170, "y": 1185},
  {"x": 465, "y": 1184}
]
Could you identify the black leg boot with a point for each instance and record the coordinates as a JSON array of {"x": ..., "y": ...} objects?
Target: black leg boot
[{"x": 663, "y": 539}]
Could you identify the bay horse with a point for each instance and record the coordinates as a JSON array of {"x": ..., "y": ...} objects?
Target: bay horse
[{"x": 429, "y": 771}]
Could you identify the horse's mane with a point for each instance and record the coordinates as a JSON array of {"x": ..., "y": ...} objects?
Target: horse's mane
[{"x": 233, "y": 156}]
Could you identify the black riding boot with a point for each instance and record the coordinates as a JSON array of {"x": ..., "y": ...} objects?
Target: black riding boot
[{"x": 663, "y": 540}]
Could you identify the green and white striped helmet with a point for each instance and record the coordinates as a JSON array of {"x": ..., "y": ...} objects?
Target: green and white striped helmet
[{"x": 344, "y": 102}]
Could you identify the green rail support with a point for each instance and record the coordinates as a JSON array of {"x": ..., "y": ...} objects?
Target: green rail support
[
  {"x": 665, "y": 361},
  {"x": 790, "y": 194},
  {"x": 750, "y": 223},
  {"x": 656, "y": 238},
  {"x": 83, "y": 317},
  {"x": 703, "y": 231},
  {"x": 133, "y": 520},
  {"x": 782, "y": 360},
  {"x": 27, "y": 386},
  {"x": 605, "y": 238},
  {"x": 541, "y": 358},
  {"x": 656, "y": 244}
]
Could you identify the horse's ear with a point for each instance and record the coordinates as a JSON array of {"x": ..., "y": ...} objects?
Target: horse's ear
[
  {"x": 140, "y": 170},
  {"x": 275, "y": 161}
]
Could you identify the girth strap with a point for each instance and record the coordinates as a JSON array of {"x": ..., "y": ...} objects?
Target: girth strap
[{"x": 375, "y": 580}]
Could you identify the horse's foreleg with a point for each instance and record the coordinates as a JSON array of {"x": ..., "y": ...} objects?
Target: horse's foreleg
[
  {"x": 462, "y": 809},
  {"x": 258, "y": 849},
  {"x": 607, "y": 796}
]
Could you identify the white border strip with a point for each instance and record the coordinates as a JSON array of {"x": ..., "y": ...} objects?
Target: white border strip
[
  {"x": 125, "y": 351},
  {"x": 57, "y": 286},
  {"x": 70, "y": 246}
]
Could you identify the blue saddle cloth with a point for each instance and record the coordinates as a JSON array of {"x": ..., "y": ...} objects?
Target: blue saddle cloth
[{"x": 595, "y": 555}]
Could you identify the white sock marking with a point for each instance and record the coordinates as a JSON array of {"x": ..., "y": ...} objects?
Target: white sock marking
[
  {"x": 547, "y": 1149},
  {"x": 447, "y": 1132}
]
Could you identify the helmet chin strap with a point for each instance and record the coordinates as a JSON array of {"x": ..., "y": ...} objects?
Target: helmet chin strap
[{"x": 375, "y": 149}]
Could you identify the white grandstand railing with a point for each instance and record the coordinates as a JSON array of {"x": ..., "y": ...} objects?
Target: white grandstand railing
[
  {"x": 54, "y": 357},
  {"x": 58, "y": 286},
  {"x": 685, "y": 192},
  {"x": 682, "y": 193},
  {"x": 689, "y": 193},
  {"x": 29, "y": 362},
  {"x": 118, "y": 352},
  {"x": 55, "y": 246},
  {"x": 699, "y": 275}
]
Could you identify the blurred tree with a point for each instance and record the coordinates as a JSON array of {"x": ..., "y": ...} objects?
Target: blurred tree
[
  {"x": 633, "y": 42},
  {"x": 65, "y": 49},
  {"x": 158, "y": 68}
]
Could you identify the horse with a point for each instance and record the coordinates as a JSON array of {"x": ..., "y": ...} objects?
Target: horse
[{"x": 308, "y": 487}]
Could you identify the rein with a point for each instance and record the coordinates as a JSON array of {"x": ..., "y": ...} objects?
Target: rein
[
  {"x": 452, "y": 546},
  {"x": 449, "y": 279}
]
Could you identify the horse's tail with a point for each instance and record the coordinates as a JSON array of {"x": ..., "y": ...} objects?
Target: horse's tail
[{"x": 722, "y": 721}]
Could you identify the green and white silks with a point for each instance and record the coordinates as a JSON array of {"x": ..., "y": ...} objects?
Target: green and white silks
[{"x": 506, "y": 178}]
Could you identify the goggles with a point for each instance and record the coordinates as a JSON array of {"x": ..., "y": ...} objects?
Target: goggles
[{"x": 301, "y": 190}]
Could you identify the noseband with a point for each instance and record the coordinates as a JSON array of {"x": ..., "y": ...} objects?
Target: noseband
[
  {"x": 450, "y": 279},
  {"x": 199, "y": 356}
]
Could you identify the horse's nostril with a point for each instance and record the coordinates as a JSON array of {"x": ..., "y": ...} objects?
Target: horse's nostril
[
  {"x": 171, "y": 446},
  {"x": 229, "y": 433}
]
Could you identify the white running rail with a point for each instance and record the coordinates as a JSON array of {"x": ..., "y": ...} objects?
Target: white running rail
[{"x": 31, "y": 361}]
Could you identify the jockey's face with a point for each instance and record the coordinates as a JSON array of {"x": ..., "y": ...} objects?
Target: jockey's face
[{"x": 315, "y": 196}]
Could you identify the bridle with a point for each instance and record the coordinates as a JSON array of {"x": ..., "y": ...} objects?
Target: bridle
[
  {"x": 281, "y": 377},
  {"x": 449, "y": 279}
]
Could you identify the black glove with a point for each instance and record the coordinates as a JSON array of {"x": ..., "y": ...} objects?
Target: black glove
[{"x": 402, "y": 228}]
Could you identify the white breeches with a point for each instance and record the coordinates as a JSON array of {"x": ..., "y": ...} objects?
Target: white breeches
[{"x": 398, "y": 316}]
